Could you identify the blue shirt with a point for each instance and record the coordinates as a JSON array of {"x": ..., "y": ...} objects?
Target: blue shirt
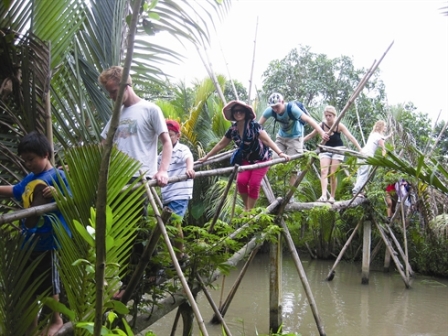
[
  {"x": 288, "y": 128},
  {"x": 43, "y": 231}
]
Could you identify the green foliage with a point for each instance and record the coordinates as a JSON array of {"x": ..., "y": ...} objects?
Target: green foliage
[
  {"x": 18, "y": 304},
  {"x": 77, "y": 253}
]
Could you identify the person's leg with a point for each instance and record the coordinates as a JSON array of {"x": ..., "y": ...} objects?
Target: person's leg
[
  {"x": 389, "y": 205},
  {"x": 325, "y": 161},
  {"x": 242, "y": 185},
  {"x": 254, "y": 186},
  {"x": 48, "y": 265},
  {"x": 293, "y": 146},
  {"x": 333, "y": 180},
  {"x": 361, "y": 178},
  {"x": 179, "y": 207}
]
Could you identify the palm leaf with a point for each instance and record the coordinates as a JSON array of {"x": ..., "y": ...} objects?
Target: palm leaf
[
  {"x": 18, "y": 305},
  {"x": 76, "y": 254}
]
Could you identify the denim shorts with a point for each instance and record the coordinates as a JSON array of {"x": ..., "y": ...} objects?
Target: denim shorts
[
  {"x": 179, "y": 207},
  {"x": 332, "y": 156}
]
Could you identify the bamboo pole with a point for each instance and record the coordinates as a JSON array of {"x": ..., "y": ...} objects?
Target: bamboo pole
[
  {"x": 213, "y": 305},
  {"x": 302, "y": 275},
  {"x": 392, "y": 254},
  {"x": 366, "y": 252},
  {"x": 330, "y": 275},
  {"x": 208, "y": 66},
  {"x": 253, "y": 63},
  {"x": 145, "y": 257},
  {"x": 223, "y": 198},
  {"x": 235, "y": 92},
  {"x": 179, "y": 272},
  {"x": 400, "y": 250},
  {"x": 405, "y": 239},
  {"x": 101, "y": 202},
  {"x": 236, "y": 284}
]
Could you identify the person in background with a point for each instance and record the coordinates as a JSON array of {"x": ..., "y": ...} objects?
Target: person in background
[
  {"x": 376, "y": 139},
  {"x": 330, "y": 162},
  {"x": 37, "y": 188},
  {"x": 391, "y": 200},
  {"x": 177, "y": 195},
  {"x": 255, "y": 148},
  {"x": 291, "y": 132}
]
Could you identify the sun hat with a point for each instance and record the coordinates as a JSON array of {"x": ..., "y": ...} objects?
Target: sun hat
[
  {"x": 173, "y": 125},
  {"x": 227, "y": 110},
  {"x": 275, "y": 99}
]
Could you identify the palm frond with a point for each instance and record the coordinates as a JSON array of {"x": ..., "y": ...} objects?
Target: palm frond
[{"x": 77, "y": 254}]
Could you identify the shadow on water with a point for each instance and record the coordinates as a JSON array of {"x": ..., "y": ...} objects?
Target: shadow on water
[{"x": 383, "y": 307}]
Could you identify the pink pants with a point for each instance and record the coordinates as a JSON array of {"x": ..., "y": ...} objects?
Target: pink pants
[{"x": 249, "y": 181}]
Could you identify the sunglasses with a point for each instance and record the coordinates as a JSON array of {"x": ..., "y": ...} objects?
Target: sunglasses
[{"x": 240, "y": 111}]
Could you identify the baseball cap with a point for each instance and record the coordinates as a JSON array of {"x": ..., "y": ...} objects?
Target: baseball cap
[
  {"x": 275, "y": 99},
  {"x": 173, "y": 125}
]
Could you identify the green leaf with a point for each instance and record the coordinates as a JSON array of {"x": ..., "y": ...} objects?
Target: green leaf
[
  {"x": 83, "y": 232},
  {"x": 58, "y": 307}
]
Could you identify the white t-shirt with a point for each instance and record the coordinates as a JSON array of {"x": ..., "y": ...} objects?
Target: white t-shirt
[
  {"x": 372, "y": 143},
  {"x": 138, "y": 130}
]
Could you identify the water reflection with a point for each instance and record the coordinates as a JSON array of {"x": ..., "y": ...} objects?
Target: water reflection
[{"x": 383, "y": 307}]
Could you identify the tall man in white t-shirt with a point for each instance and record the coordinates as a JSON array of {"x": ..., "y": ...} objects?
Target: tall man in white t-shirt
[{"x": 140, "y": 126}]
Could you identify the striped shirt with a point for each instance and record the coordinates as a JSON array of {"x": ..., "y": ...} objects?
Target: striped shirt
[{"x": 178, "y": 166}]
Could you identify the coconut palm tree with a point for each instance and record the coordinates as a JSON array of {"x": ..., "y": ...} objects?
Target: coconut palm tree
[{"x": 52, "y": 53}]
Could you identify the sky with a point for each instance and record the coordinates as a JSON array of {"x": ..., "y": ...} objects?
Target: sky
[{"x": 414, "y": 70}]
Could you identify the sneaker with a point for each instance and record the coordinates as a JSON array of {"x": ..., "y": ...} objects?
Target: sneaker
[{"x": 331, "y": 200}]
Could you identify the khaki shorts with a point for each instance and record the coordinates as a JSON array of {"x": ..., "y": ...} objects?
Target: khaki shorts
[{"x": 290, "y": 146}]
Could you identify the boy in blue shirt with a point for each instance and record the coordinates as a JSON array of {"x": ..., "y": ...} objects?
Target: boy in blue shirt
[{"x": 35, "y": 189}]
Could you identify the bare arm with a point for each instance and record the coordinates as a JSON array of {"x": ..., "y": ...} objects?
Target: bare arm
[
  {"x": 262, "y": 120},
  {"x": 315, "y": 125},
  {"x": 190, "y": 171},
  {"x": 162, "y": 174},
  {"x": 6, "y": 191},
  {"x": 381, "y": 144},
  {"x": 219, "y": 146},
  {"x": 349, "y": 136},
  {"x": 266, "y": 139},
  {"x": 310, "y": 136}
]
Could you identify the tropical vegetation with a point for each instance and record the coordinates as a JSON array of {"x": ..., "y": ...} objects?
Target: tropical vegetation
[{"x": 50, "y": 56}]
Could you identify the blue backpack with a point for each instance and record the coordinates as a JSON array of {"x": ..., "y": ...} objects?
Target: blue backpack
[{"x": 290, "y": 115}]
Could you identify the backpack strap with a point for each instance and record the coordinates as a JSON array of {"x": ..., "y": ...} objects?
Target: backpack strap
[{"x": 288, "y": 109}]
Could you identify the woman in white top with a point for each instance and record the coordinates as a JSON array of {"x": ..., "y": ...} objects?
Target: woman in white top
[{"x": 376, "y": 139}]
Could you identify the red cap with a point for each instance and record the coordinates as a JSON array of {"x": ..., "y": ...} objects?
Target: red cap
[{"x": 173, "y": 125}]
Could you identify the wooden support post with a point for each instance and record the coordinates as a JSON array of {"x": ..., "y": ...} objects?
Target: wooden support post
[
  {"x": 275, "y": 285},
  {"x": 302, "y": 276},
  {"x": 179, "y": 272},
  {"x": 392, "y": 254},
  {"x": 213, "y": 305},
  {"x": 366, "y": 253},
  {"x": 386, "y": 267},
  {"x": 400, "y": 250},
  {"x": 330, "y": 275},
  {"x": 226, "y": 304}
]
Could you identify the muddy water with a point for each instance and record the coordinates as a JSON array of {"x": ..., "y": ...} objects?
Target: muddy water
[{"x": 346, "y": 307}]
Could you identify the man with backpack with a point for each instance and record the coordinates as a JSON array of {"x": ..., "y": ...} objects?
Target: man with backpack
[{"x": 291, "y": 116}]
